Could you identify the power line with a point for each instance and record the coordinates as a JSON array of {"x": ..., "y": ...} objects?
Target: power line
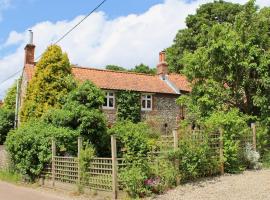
[
  {"x": 61, "y": 38},
  {"x": 10, "y": 77},
  {"x": 70, "y": 30}
]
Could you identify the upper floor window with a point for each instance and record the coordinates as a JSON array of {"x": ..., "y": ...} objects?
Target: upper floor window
[
  {"x": 146, "y": 102},
  {"x": 109, "y": 101}
]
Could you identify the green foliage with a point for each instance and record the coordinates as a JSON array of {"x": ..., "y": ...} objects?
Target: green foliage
[
  {"x": 10, "y": 98},
  {"x": 85, "y": 157},
  {"x": 234, "y": 125},
  {"x": 6, "y": 123},
  {"x": 115, "y": 68},
  {"x": 266, "y": 160},
  {"x": 263, "y": 138},
  {"x": 196, "y": 159},
  {"x": 230, "y": 65},
  {"x": 133, "y": 181},
  {"x": 192, "y": 37},
  {"x": 128, "y": 106},
  {"x": 164, "y": 172},
  {"x": 81, "y": 112},
  {"x": 87, "y": 95},
  {"x": 136, "y": 140},
  {"x": 30, "y": 146},
  {"x": 142, "y": 68},
  {"x": 51, "y": 83}
]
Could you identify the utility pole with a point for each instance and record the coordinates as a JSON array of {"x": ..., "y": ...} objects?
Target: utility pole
[{"x": 17, "y": 104}]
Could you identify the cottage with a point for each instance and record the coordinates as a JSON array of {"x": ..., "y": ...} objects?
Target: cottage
[{"x": 158, "y": 92}]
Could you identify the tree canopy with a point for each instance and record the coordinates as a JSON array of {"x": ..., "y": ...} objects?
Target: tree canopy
[
  {"x": 115, "y": 68},
  {"x": 192, "y": 37},
  {"x": 142, "y": 68}
]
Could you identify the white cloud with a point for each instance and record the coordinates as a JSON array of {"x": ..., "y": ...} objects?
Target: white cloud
[{"x": 98, "y": 41}]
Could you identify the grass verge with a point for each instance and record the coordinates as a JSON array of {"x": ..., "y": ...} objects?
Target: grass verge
[{"x": 11, "y": 177}]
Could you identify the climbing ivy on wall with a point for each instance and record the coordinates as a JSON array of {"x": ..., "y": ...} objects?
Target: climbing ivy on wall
[{"x": 129, "y": 106}]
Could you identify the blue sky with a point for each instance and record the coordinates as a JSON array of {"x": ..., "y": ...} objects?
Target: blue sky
[
  {"x": 122, "y": 32},
  {"x": 24, "y": 13}
]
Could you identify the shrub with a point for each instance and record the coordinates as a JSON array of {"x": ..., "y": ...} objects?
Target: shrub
[
  {"x": 137, "y": 140},
  {"x": 263, "y": 138},
  {"x": 235, "y": 129},
  {"x": 6, "y": 123},
  {"x": 133, "y": 179},
  {"x": 196, "y": 159},
  {"x": 82, "y": 112},
  {"x": 30, "y": 146},
  {"x": 251, "y": 157},
  {"x": 163, "y": 175},
  {"x": 266, "y": 160}
]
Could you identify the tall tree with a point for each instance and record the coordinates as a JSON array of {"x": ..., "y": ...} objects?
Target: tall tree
[
  {"x": 190, "y": 38},
  {"x": 231, "y": 66},
  {"x": 51, "y": 82}
]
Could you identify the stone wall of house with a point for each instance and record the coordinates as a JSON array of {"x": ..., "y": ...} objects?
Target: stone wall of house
[
  {"x": 164, "y": 116},
  {"x": 111, "y": 115},
  {"x": 3, "y": 157}
]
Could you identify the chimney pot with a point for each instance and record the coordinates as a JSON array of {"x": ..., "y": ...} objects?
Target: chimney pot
[{"x": 29, "y": 57}]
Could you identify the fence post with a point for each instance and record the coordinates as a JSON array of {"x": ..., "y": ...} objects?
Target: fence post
[
  {"x": 114, "y": 167},
  {"x": 221, "y": 155},
  {"x": 175, "y": 148},
  {"x": 79, "y": 152},
  {"x": 53, "y": 161},
  {"x": 253, "y": 127}
]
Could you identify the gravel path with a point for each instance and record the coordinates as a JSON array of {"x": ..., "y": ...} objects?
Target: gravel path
[{"x": 251, "y": 185}]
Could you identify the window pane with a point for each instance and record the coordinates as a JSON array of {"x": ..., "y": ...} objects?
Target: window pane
[
  {"x": 148, "y": 104},
  {"x": 111, "y": 94},
  {"x": 143, "y": 103},
  {"x": 148, "y": 96},
  {"x": 111, "y": 102},
  {"x": 105, "y": 102}
]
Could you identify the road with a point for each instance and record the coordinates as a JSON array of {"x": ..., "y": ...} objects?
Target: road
[{"x": 13, "y": 192}]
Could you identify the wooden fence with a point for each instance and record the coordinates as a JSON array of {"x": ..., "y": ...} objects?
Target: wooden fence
[{"x": 103, "y": 172}]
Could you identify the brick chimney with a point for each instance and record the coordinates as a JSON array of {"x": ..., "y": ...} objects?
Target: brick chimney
[
  {"x": 162, "y": 67},
  {"x": 29, "y": 50}
]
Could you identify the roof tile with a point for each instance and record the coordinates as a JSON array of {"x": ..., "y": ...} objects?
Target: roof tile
[{"x": 117, "y": 80}]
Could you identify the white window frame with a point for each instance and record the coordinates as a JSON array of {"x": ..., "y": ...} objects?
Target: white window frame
[
  {"x": 107, "y": 98},
  {"x": 144, "y": 97}
]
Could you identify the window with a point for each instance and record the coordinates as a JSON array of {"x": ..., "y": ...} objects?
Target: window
[
  {"x": 109, "y": 100},
  {"x": 146, "y": 102}
]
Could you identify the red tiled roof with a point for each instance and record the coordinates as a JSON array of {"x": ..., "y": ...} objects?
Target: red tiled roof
[
  {"x": 180, "y": 81},
  {"x": 117, "y": 80}
]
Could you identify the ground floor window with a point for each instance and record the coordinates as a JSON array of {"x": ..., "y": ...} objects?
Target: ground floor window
[
  {"x": 146, "y": 102},
  {"x": 109, "y": 101}
]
